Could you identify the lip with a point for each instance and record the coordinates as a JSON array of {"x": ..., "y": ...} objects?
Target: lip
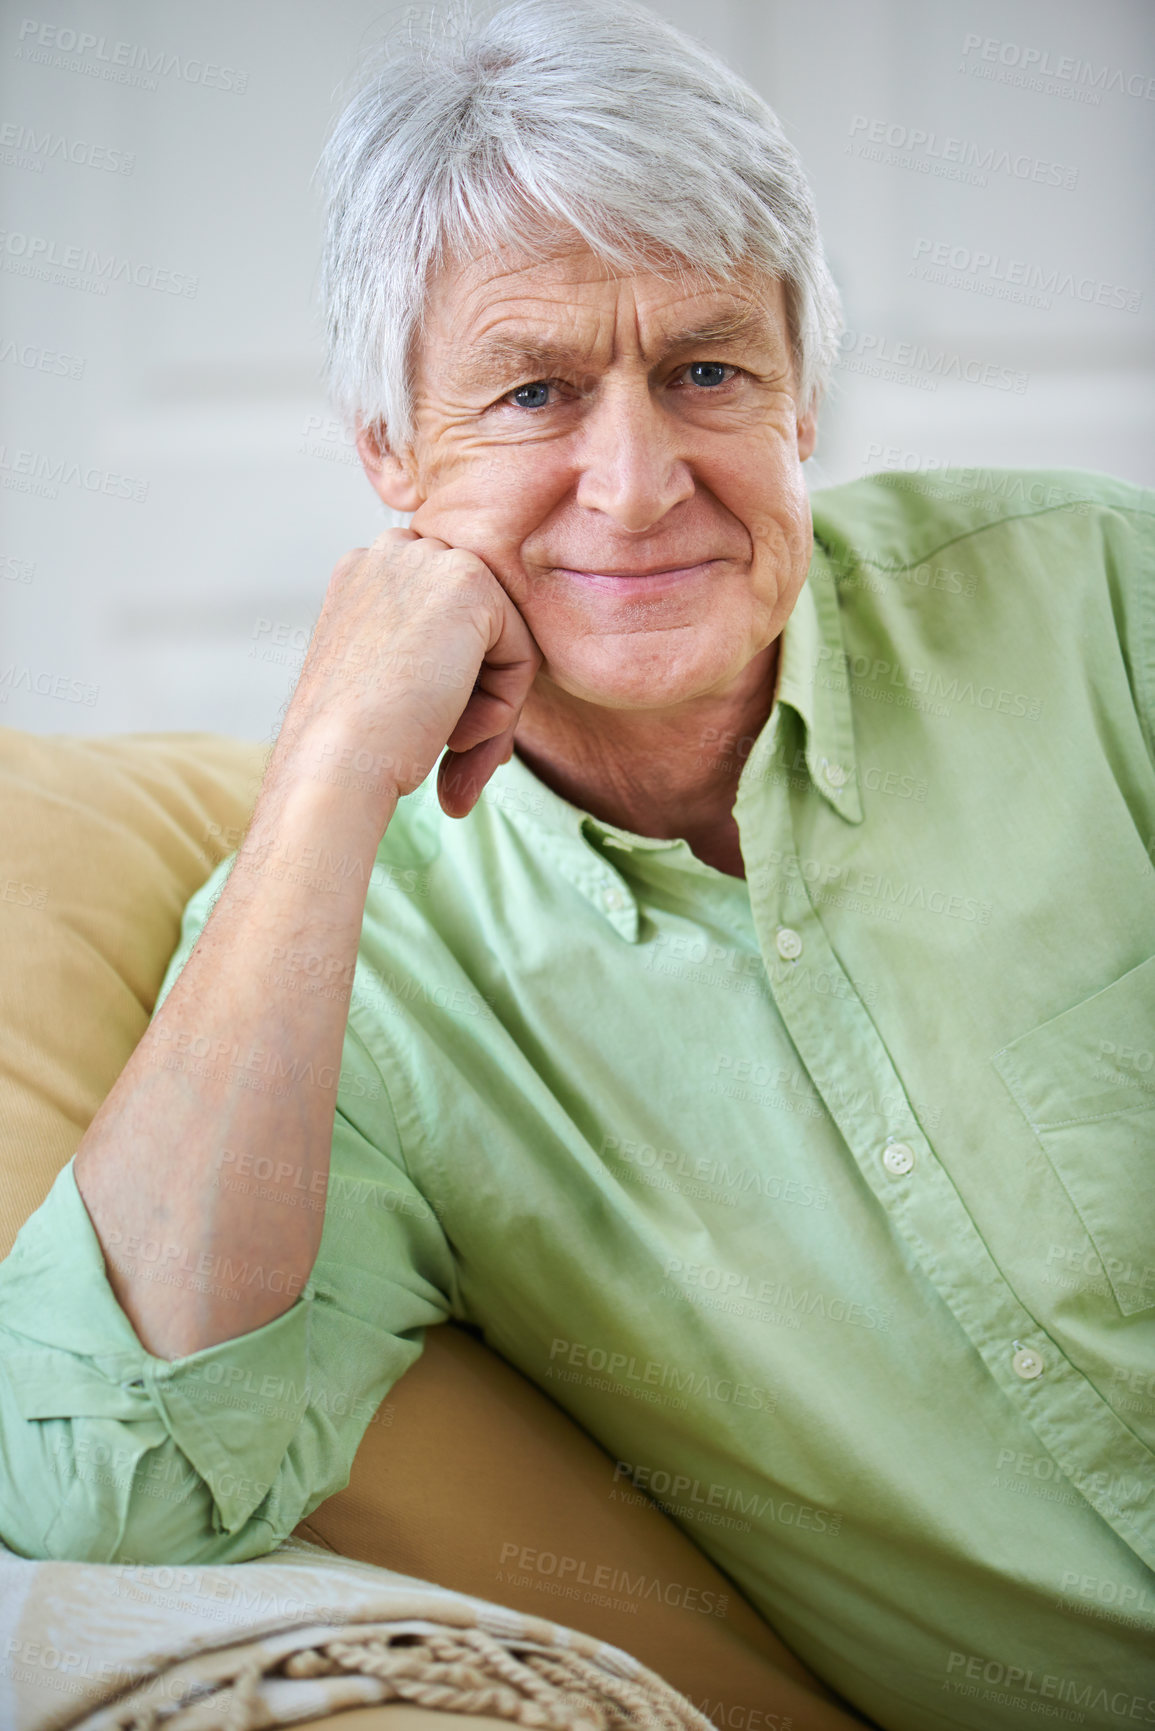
[{"x": 654, "y": 581}]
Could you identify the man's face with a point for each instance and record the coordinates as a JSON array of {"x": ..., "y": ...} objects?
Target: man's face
[{"x": 570, "y": 425}]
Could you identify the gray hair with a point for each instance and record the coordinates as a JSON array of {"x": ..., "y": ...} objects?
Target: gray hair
[{"x": 552, "y": 116}]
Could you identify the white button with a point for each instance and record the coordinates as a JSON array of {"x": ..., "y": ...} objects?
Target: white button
[
  {"x": 898, "y": 1158},
  {"x": 834, "y": 773},
  {"x": 613, "y": 897},
  {"x": 1027, "y": 1363},
  {"x": 789, "y": 944}
]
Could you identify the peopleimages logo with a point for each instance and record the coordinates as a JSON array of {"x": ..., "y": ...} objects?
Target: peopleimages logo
[
  {"x": 895, "y": 145},
  {"x": 904, "y": 362},
  {"x": 1013, "y": 279},
  {"x": 1012, "y": 62},
  {"x": 84, "y": 267},
  {"x": 38, "y": 472},
  {"x": 40, "y": 360},
  {"x": 22, "y": 147},
  {"x": 1008, "y": 1684},
  {"x": 134, "y": 63}
]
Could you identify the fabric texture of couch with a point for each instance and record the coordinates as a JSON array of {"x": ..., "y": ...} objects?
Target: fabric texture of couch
[{"x": 469, "y": 1476}]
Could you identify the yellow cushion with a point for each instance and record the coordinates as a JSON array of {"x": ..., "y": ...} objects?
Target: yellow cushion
[{"x": 103, "y": 842}]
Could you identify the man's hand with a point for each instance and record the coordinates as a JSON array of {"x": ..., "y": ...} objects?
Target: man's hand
[{"x": 417, "y": 647}]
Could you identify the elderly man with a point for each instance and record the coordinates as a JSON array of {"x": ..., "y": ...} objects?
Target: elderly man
[{"x": 750, "y": 1026}]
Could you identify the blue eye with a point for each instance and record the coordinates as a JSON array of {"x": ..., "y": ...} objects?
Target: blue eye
[
  {"x": 709, "y": 367},
  {"x": 538, "y": 385},
  {"x": 535, "y": 395}
]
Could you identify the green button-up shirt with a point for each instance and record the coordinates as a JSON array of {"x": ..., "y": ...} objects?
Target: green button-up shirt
[{"x": 825, "y": 1198}]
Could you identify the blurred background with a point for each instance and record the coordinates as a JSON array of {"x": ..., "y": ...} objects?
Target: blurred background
[{"x": 175, "y": 490}]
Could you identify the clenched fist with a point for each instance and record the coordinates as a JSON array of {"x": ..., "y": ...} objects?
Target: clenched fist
[{"x": 417, "y": 647}]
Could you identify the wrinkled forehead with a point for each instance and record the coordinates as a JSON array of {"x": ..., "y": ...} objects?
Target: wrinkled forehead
[{"x": 512, "y": 305}]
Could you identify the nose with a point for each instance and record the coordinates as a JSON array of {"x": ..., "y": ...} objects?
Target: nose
[{"x": 632, "y": 470}]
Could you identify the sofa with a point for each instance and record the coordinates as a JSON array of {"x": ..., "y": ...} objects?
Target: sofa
[{"x": 102, "y": 842}]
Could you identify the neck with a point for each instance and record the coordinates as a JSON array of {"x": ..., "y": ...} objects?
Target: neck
[{"x": 663, "y": 773}]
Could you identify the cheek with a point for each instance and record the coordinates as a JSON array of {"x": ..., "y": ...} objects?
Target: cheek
[
  {"x": 491, "y": 504},
  {"x": 761, "y": 483},
  {"x": 517, "y": 487},
  {"x": 521, "y": 493},
  {"x": 782, "y": 545}
]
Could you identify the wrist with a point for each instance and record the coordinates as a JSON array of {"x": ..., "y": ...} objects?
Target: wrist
[
  {"x": 316, "y": 825},
  {"x": 331, "y": 770}
]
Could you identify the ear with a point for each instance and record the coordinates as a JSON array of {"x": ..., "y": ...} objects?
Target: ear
[
  {"x": 388, "y": 476},
  {"x": 807, "y": 434}
]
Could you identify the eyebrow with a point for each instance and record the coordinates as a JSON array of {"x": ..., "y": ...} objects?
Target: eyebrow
[{"x": 517, "y": 351}]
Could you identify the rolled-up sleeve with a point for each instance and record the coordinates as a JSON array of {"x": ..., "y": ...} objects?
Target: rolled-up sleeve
[{"x": 110, "y": 1454}]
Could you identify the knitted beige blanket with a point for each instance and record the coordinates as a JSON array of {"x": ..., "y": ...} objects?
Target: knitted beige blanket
[{"x": 291, "y": 1637}]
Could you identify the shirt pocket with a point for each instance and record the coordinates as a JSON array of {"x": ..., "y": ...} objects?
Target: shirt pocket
[{"x": 1085, "y": 1082}]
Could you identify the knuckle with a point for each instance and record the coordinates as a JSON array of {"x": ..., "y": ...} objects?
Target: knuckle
[
  {"x": 465, "y": 565},
  {"x": 348, "y": 561}
]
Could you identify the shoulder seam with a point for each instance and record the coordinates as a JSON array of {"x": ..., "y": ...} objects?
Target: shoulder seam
[{"x": 969, "y": 534}]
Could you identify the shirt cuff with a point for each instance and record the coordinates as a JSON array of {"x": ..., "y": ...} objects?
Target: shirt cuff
[{"x": 232, "y": 1409}]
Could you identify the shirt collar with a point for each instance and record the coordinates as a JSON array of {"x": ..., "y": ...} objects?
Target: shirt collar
[{"x": 812, "y": 679}]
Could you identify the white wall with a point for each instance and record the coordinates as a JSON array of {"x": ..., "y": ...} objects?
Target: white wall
[{"x": 180, "y": 608}]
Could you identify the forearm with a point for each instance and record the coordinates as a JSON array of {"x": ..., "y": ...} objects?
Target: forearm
[
  {"x": 417, "y": 647},
  {"x": 241, "y": 1061}
]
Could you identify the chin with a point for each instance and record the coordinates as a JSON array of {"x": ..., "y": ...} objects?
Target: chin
[{"x": 656, "y": 678}]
